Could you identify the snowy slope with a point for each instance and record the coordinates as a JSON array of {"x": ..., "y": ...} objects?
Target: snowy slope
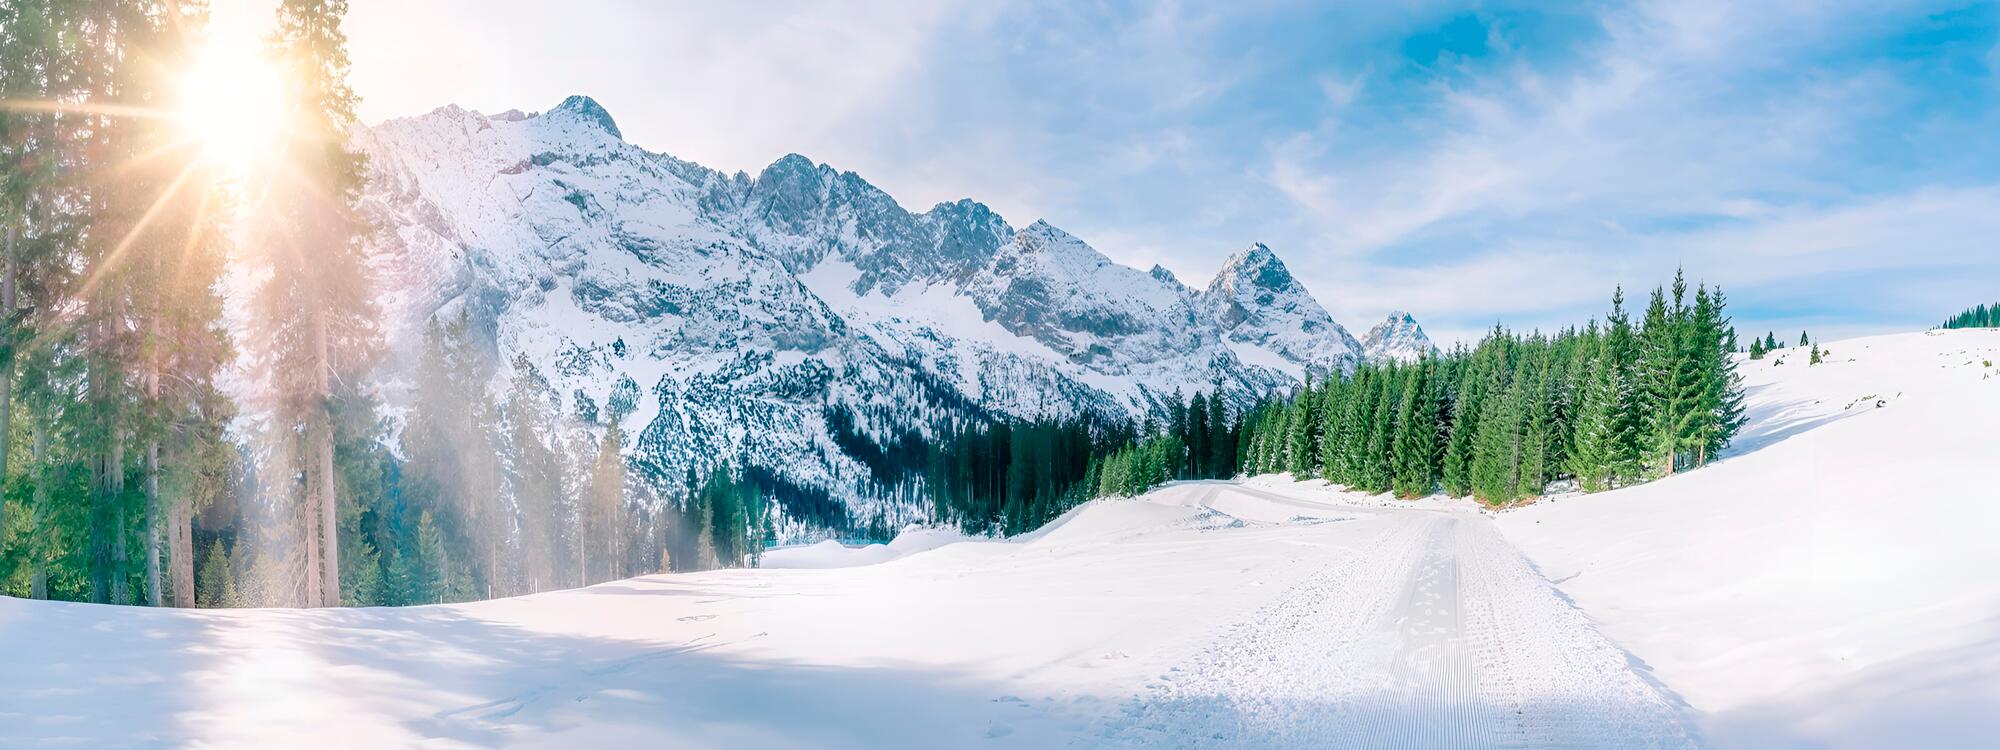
[
  {"x": 1831, "y": 582},
  {"x": 721, "y": 301},
  {"x": 1206, "y": 615}
]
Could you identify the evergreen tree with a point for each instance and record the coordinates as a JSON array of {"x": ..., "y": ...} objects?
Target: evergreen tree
[
  {"x": 1416, "y": 434},
  {"x": 314, "y": 311},
  {"x": 1497, "y": 445}
]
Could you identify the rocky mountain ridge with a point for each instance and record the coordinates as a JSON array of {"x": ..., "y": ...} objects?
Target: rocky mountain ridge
[{"x": 731, "y": 315}]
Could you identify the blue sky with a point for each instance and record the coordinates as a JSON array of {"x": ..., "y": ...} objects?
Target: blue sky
[{"x": 1835, "y": 165}]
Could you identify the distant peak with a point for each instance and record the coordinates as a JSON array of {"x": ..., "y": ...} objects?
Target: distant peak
[
  {"x": 794, "y": 161},
  {"x": 1160, "y": 272},
  {"x": 1397, "y": 338},
  {"x": 1258, "y": 266},
  {"x": 587, "y": 110},
  {"x": 1256, "y": 253}
]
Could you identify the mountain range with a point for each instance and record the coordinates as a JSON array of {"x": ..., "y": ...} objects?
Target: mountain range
[{"x": 730, "y": 316}]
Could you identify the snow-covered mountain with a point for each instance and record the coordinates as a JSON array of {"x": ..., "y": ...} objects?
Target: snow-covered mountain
[
  {"x": 1271, "y": 319},
  {"x": 728, "y": 316},
  {"x": 1397, "y": 339}
]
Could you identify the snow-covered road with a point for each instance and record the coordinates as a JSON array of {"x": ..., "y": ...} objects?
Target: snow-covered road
[{"x": 1433, "y": 633}]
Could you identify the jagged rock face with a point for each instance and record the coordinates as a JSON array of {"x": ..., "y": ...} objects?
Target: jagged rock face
[
  {"x": 740, "y": 309},
  {"x": 1397, "y": 339},
  {"x": 1271, "y": 318}
]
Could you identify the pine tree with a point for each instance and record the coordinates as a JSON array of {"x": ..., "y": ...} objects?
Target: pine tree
[
  {"x": 1497, "y": 446},
  {"x": 1815, "y": 355},
  {"x": 1803, "y": 340},
  {"x": 1303, "y": 446},
  {"x": 1671, "y": 380},
  {"x": 216, "y": 587},
  {"x": 314, "y": 311},
  {"x": 1721, "y": 405},
  {"x": 606, "y": 506},
  {"x": 1537, "y": 428},
  {"x": 1460, "y": 444},
  {"x": 1416, "y": 433},
  {"x": 1375, "y": 472}
]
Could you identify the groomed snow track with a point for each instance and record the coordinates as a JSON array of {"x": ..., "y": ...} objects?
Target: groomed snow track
[{"x": 1434, "y": 634}]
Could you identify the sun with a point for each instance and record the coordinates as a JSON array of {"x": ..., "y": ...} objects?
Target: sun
[{"x": 232, "y": 105}]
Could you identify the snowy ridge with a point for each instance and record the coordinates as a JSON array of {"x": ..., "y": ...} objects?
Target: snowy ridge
[{"x": 727, "y": 301}]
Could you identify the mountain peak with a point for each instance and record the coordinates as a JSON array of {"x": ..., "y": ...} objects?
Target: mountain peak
[
  {"x": 1257, "y": 302},
  {"x": 1397, "y": 338},
  {"x": 1255, "y": 266},
  {"x": 583, "y": 109}
]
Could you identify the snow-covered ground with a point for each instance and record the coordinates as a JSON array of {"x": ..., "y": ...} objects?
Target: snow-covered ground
[
  {"x": 1203, "y": 615},
  {"x": 1830, "y": 584},
  {"x": 1835, "y": 581}
]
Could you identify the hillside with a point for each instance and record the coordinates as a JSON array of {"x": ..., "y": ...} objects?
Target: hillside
[{"x": 1831, "y": 581}]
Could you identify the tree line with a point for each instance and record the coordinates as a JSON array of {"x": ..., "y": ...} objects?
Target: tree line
[
  {"x": 1013, "y": 476},
  {"x": 1981, "y": 316},
  {"x": 1608, "y": 405}
]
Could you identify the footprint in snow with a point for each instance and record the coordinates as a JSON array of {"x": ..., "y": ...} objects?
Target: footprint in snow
[{"x": 696, "y": 618}]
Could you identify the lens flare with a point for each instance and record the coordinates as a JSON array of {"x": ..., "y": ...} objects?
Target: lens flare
[{"x": 232, "y": 104}]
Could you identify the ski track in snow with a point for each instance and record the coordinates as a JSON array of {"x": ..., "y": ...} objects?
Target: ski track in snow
[{"x": 1437, "y": 634}]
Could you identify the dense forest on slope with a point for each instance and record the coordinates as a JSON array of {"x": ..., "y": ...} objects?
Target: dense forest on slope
[{"x": 1610, "y": 404}]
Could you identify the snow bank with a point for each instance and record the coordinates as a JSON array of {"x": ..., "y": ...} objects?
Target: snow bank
[
  {"x": 832, "y": 554},
  {"x": 1832, "y": 582}
]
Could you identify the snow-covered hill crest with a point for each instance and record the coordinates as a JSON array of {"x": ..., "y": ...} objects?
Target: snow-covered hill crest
[{"x": 728, "y": 301}]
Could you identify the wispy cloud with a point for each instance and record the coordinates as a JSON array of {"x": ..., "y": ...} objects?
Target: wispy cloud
[{"x": 1470, "y": 162}]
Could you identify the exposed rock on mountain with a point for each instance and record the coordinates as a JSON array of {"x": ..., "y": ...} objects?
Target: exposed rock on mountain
[{"x": 737, "y": 313}]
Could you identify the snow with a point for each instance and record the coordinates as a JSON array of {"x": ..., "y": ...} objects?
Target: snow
[
  {"x": 832, "y": 554},
  {"x": 1830, "y": 582},
  {"x": 1205, "y": 614}
]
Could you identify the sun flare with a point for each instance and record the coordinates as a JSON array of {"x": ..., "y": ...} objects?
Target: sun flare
[{"x": 232, "y": 104}]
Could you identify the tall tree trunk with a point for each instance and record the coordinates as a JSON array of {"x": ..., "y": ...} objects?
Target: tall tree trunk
[
  {"x": 321, "y": 486},
  {"x": 309, "y": 537},
  {"x": 153, "y": 593},
  {"x": 38, "y": 583},
  {"x": 180, "y": 552},
  {"x": 9, "y": 269},
  {"x": 115, "y": 472}
]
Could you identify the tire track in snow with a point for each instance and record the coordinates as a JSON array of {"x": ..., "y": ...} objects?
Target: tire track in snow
[{"x": 1433, "y": 633}]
